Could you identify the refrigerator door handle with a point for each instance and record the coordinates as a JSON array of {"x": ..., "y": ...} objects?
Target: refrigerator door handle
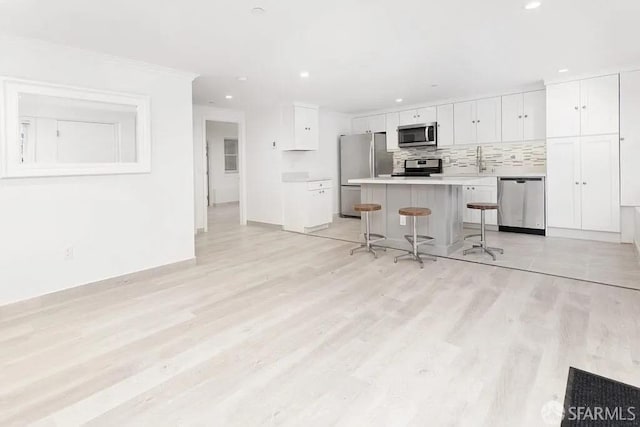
[{"x": 372, "y": 171}]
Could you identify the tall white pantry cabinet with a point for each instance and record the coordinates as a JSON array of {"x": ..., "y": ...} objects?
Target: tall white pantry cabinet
[{"x": 583, "y": 154}]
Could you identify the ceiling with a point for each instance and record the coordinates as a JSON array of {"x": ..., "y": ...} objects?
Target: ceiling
[{"x": 361, "y": 54}]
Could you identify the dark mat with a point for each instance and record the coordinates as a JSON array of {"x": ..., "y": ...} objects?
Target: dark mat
[{"x": 595, "y": 401}]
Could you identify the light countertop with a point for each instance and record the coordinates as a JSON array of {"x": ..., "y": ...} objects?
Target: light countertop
[
  {"x": 434, "y": 180},
  {"x": 494, "y": 174}
]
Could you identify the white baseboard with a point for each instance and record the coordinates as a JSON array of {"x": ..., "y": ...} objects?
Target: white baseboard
[{"x": 600, "y": 236}]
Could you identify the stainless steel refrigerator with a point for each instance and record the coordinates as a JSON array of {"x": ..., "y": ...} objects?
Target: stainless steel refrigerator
[{"x": 361, "y": 156}]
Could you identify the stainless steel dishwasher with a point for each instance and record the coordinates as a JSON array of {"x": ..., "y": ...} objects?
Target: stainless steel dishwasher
[{"x": 521, "y": 202}]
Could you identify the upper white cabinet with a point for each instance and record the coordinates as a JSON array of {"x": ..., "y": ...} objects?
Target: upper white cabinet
[
  {"x": 478, "y": 121},
  {"x": 392, "y": 123},
  {"x": 599, "y": 105},
  {"x": 421, "y": 115},
  {"x": 523, "y": 116},
  {"x": 369, "y": 124},
  {"x": 583, "y": 183},
  {"x": 630, "y": 138},
  {"x": 445, "y": 125},
  {"x": 585, "y": 107},
  {"x": 306, "y": 128},
  {"x": 464, "y": 121}
]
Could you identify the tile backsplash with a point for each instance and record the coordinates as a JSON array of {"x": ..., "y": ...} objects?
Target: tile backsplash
[{"x": 528, "y": 156}]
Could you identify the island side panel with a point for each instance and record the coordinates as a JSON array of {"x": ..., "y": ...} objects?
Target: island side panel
[{"x": 444, "y": 224}]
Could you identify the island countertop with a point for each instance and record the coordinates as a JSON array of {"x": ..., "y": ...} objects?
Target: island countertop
[{"x": 433, "y": 180}]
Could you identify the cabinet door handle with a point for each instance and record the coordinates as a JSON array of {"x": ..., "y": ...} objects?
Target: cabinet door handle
[
  {"x": 621, "y": 139},
  {"x": 473, "y": 121},
  {"x": 477, "y": 121},
  {"x": 584, "y": 183},
  {"x": 576, "y": 107},
  {"x": 519, "y": 117},
  {"x": 577, "y": 183},
  {"x": 584, "y": 107},
  {"x": 526, "y": 115}
]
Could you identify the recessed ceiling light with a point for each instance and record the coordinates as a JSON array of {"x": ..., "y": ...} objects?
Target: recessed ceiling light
[
  {"x": 532, "y": 5},
  {"x": 563, "y": 70},
  {"x": 242, "y": 78},
  {"x": 304, "y": 74},
  {"x": 229, "y": 96},
  {"x": 434, "y": 85},
  {"x": 258, "y": 11},
  {"x": 212, "y": 102},
  {"x": 399, "y": 100}
]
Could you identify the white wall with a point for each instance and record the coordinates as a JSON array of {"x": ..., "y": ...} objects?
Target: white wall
[
  {"x": 224, "y": 187},
  {"x": 115, "y": 224},
  {"x": 266, "y": 163},
  {"x": 324, "y": 162}
]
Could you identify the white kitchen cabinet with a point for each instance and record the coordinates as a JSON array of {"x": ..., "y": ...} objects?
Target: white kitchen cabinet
[
  {"x": 464, "y": 122},
  {"x": 478, "y": 121},
  {"x": 369, "y": 124},
  {"x": 599, "y": 105},
  {"x": 535, "y": 117},
  {"x": 489, "y": 120},
  {"x": 421, "y": 115},
  {"x": 512, "y": 117},
  {"x": 300, "y": 128},
  {"x": 584, "y": 107},
  {"x": 308, "y": 206},
  {"x": 563, "y": 183},
  {"x": 480, "y": 193},
  {"x": 523, "y": 116},
  {"x": 583, "y": 183},
  {"x": 630, "y": 138},
  {"x": 444, "y": 117},
  {"x": 563, "y": 110},
  {"x": 392, "y": 123},
  {"x": 600, "y": 183}
]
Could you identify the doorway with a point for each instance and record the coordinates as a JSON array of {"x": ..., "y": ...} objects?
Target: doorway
[{"x": 222, "y": 154}]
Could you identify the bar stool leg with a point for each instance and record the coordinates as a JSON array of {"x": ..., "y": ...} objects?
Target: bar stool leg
[
  {"x": 413, "y": 239},
  {"x": 368, "y": 242},
  {"x": 481, "y": 246}
]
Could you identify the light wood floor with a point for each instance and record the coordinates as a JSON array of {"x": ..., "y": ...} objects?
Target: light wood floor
[
  {"x": 277, "y": 328},
  {"x": 610, "y": 263}
]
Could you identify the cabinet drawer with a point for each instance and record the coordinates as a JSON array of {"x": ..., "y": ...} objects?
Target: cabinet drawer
[{"x": 318, "y": 185}]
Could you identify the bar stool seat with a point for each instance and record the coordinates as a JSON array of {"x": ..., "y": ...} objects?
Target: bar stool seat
[
  {"x": 367, "y": 207},
  {"x": 481, "y": 245},
  {"x": 415, "y": 239},
  {"x": 369, "y": 237}
]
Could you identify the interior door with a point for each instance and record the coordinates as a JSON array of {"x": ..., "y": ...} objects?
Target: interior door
[
  {"x": 600, "y": 183},
  {"x": 563, "y": 113},
  {"x": 512, "y": 117},
  {"x": 630, "y": 138},
  {"x": 535, "y": 119},
  {"x": 599, "y": 104},
  {"x": 563, "y": 178},
  {"x": 489, "y": 120},
  {"x": 464, "y": 122},
  {"x": 445, "y": 125}
]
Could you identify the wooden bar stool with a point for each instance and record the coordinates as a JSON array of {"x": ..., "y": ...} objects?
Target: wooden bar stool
[
  {"x": 366, "y": 209},
  {"x": 415, "y": 239},
  {"x": 481, "y": 245}
]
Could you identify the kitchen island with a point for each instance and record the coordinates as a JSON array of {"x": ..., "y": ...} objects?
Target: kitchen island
[{"x": 442, "y": 194}]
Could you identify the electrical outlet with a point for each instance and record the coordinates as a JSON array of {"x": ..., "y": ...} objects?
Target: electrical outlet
[
  {"x": 403, "y": 220},
  {"x": 68, "y": 253}
]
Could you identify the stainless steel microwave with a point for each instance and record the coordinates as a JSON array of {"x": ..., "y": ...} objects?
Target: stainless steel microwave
[{"x": 420, "y": 135}]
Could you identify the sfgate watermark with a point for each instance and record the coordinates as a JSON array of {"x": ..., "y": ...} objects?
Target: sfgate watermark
[{"x": 553, "y": 412}]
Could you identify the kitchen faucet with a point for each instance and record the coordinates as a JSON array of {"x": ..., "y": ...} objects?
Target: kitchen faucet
[{"x": 481, "y": 168}]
